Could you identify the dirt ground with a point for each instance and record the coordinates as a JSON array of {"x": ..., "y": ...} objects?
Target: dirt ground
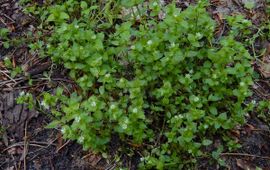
[{"x": 26, "y": 143}]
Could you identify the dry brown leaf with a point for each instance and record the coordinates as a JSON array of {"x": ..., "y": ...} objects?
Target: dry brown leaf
[
  {"x": 244, "y": 165},
  {"x": 92, "y": 158},
  {"x": 235, "y": 133},
  {"x": 248, "y": 128},
  {"x": 265, "y": 69},
  {"x": 2, "y": 65},
  {"x": 15, "y": 150}
]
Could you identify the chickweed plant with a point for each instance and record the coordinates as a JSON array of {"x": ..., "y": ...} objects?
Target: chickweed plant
[{"x": 162, "y": 83}]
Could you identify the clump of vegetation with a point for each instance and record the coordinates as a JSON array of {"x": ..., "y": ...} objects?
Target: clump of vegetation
[
  {"x": 262, "y": 109},
  {"x": 4, "y": 37},
  {"x": 159, "y": 82}
]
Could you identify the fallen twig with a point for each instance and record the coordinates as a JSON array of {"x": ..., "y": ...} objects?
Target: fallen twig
[
  {"x": 25, "y": 148},
  {"x": 62, "y": 146},
  {"x": 8, "y": 17},
  {"x": 244, "y": 154},
  {"x": 3, "y": 72},
  {"x": 31, "y": 143}
]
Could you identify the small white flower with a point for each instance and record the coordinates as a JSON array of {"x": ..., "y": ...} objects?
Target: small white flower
[
  {"x": 196, "y": 99},
  {"x": 48, "y": 45},
  {"x": 135, "y": 110},
  {"x": 124, "y": 124},
  {"x": 44, "y": 104},
  {"x": 94, "y": 37},
  {"x": 253, "y": 101},
  {"x": 121, "y": 80},
  {"x": 94, "y": 104},
  {"x": 81, "y": 139},
  {"x": 27, "y": 94},
  {"x": 187, "y": 76},
  {"x": 242, "y": 84},
  {"x": 149, "y": 42},
  {"x": 77, "y": 26},
  {"x": 205, "y": 126},
  {"x": 77, "y": 119},
  {"x": 132, "y": 47},
  {"x": 191, "y": 71},
  {"x": 179, "y": 117},
  {"x": 113, "y": 106},
  {"x": 63, "y": 130},
  {"x": 107, "y": 75},
  {"x": 22, "y": 93}
]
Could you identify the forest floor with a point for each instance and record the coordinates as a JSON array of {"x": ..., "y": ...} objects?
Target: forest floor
[{"x": 25, "y": 143}]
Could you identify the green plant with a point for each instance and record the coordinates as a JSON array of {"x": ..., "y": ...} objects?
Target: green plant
[
  {"x": 249, "y": 4},
  {"x": 26, "y": 98},
  {"x": 239, "y": 26},
  {"x": 14, "y": 71},
  {"x": 163, "y": 83},
  {"x": 262, "y": 109},
  {"x": 4, "y": 37}
]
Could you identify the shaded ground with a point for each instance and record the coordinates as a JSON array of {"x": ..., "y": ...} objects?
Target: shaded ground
[{"x": 25, "y": 142}]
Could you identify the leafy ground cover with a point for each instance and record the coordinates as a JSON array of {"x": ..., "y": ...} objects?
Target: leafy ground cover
[{"x": 163, "y": 85}]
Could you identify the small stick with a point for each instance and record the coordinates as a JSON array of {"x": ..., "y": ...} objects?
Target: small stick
[
  {"x": 3, "y": 21},
  {"x": 8, "y": 17},
  {"x": 31, "y": 143},
  {"x": 8, "y": 76},
  {"x": 244, "y": 154},
  {"x": 62, "y": 146},
  {"x": 25, "y": 148}
]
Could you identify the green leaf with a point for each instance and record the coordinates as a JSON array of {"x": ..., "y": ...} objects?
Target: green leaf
[
  {"x": 206, "y": 142},
  {"x": 64, "y": 15},
  {"x": 83, "y": 5},
  {"x": 213, "y": 110},
  {"x": 6, "y": 44},
  {"x": 51, "y": 18},
  {"x": 53, "y": 124},
  {"x": 249, "y": 4},
  {"x": 223, "y": 116},
  {"x": 213, "y": 97}
]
